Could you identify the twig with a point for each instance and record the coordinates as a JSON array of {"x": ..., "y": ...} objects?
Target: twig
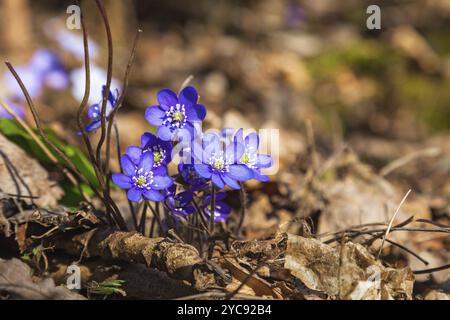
[
  {"x": 247, "y": 278},
  {"x": 392, "y": 221},
  {"x": 390, "y": 167},
  {"x": 186, "y": 82},
  {"x": 425, "y": 262}
]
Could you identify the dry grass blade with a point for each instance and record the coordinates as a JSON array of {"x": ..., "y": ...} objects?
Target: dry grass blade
[{"x": 392, "y": 221}]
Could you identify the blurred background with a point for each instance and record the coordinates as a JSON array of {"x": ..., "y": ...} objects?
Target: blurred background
[
  {"x": 278, "y": 62},
  {"x": 258, "y": 64}
]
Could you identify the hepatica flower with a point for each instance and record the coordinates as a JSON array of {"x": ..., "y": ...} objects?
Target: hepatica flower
[
  {"x": 175, "y": 116},
  {"x": 221, "y": 211},
  {"x": 179, "y": 204},
  {"x": 218, "y": 162},
  {"x": 95, "y": 111},
  {"x": 250, "y": 157},
  {"x": 140, "y": 180},
  {"x": 162, "y": 151}
]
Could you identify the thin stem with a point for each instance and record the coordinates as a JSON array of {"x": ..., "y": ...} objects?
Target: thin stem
[
  {"x": 119, "y": 152},
  {"x": 120, "y": 99},
  {"x": 105, "y": 19},
  {"x": 213, "y": 209},
  {"x": 42, "y": 133},
  {"x": 447, "y": 266},
  {"x": 158, "y": 218},
  {"x": 202, "y": 215},
  {"x": 38, "y": 141},
  {"x": 392, "y": 221},
  {"x": 143, "y": 219}
]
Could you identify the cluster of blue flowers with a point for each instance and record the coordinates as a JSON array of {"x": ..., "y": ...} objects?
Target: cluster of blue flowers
[{"x": 206, "y": 160}]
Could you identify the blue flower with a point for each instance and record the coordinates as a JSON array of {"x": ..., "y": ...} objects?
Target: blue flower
[
  {"x": 191, "y": 176},
  {"x": 44, "y": 69},
  {"x": 218, "y": 163},
  {"x": 221, "y": 211},
  {"x": 176, "y": 116},
  {"x": 140, "y": 180},
  {"x": 95, "y": 111},
  {"x": 97, "y": 82},
  {"x": 251, "y": 158},
  {"x": 50, "y": 68},
  {"x": 179, "y": 204},
  {"x": 162, "y": 151}
]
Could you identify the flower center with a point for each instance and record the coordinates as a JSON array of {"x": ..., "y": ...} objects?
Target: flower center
[
  {"x": 141, "y": 181},
  {"x": 178, "y": 116},
  {"x": 157, "y": 157},
  {"x": 249, "y": 158},
  {"x": 175, "y": 116},
  {"x": 218, "y": 163},
  {"x": 245, "y": 158}
]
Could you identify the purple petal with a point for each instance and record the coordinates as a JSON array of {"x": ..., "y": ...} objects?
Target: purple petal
[
  {"x": 153, "y": 195},
  {"x": 217, "y": 180},
  {"x": 197, "y": 112},
  {"x": 240, "y": 172},
  {"x": 185, "y": 134},
  {"x": 164, "y": 133},
  {"x": 94, "y": 125},
  {"x": 127, "y": 165},
  {"x": 220, "y": 196},
  {"x": 234, "y": 152},
  {"x": 122, "y": 181},
  {"x": 239, "y": 136},
  {"x": 230, "y": 182},
  {"x": 222, "y": 208},
  {"x": 161, "y": 182},
  {"x": 155, "y": 115},
  {"x": 134, "y": 153},
  {"x": 188, "y": 96},
  {"x": 185, "y": 197},
  {"x": 264, "y": 161},
  {"x": 203, "y": 170},
  {"x": 259, "y": 176},
  {"x": 167, "y": 98},
  {"x": 134, "y": 194},
  {"x": 160, "y": 171},
  {"x": 252, "y": 141},
  {"x": 146, "y": 162}
]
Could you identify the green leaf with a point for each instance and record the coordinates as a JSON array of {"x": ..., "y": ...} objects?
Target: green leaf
[{"x": 15, "y": 133}]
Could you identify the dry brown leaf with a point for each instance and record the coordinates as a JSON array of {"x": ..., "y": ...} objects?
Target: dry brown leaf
[
  {"x": 17, "y": 283},
  {"x": 22, "y": 175},
  {"x": 348, "y": 272}
]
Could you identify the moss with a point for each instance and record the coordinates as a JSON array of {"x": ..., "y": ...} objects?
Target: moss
[{"x": 367, "y": 57}]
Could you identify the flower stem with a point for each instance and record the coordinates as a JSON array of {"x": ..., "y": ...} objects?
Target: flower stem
[
  {"x": 243, "y": 196},
  {"x": 156, "y": 215}
]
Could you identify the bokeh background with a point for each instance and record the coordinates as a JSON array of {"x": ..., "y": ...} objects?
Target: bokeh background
[{"x": 272, "y": 62}]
